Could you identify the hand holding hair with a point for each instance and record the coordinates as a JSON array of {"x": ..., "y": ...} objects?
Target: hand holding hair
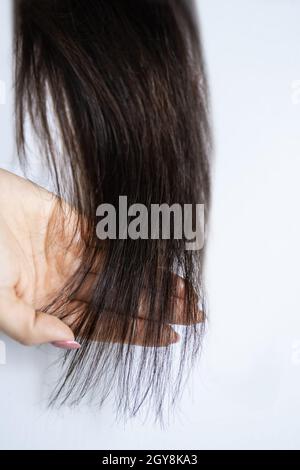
[
  {"x": 32, "y": 273},
  {"x": 27, "y": 278},
  {"x": 126, "y": 86}
]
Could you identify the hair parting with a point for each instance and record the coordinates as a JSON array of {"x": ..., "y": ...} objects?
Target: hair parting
[{"x": 125, "y": 82}]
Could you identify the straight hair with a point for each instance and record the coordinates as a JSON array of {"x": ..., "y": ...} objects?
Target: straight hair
[{"x": 125, "y": 83}]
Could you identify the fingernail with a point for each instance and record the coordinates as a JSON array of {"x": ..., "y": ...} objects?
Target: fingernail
[{"x": 66, "y": 344}]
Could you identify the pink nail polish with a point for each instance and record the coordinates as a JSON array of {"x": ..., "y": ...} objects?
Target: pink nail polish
[{"x": 66, "y": 344}]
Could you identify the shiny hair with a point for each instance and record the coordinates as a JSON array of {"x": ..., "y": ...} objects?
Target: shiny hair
[{"x": 125, "y": 82}]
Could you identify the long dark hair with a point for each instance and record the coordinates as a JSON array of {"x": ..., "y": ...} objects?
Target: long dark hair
[{"x": 126, "y": 83}]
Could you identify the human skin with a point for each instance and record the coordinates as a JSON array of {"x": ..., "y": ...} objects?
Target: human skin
[{"x": 32, "y": 273}]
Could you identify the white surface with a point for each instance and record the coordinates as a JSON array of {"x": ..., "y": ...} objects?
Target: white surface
[{"x": 246, "y": 390}]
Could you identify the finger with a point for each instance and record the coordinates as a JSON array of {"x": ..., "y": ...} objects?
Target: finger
[
  {"x": 179, "y": 287},
  {"x": 19, "y": 321},
  {"x": 178, "y": 312},
  {"x": 115, "y": 328},
  {"x": 138, "y": 332},
  {"x": 182, "y": 309}
]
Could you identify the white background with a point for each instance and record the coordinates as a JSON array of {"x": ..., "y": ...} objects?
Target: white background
[{"x": 245, "y": 392}]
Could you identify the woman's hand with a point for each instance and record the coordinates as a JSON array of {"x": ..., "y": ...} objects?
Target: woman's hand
[{"x": 30, "y": 278}]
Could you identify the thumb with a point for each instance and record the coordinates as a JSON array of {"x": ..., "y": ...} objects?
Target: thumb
[{"x": 22, "y": 323}]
